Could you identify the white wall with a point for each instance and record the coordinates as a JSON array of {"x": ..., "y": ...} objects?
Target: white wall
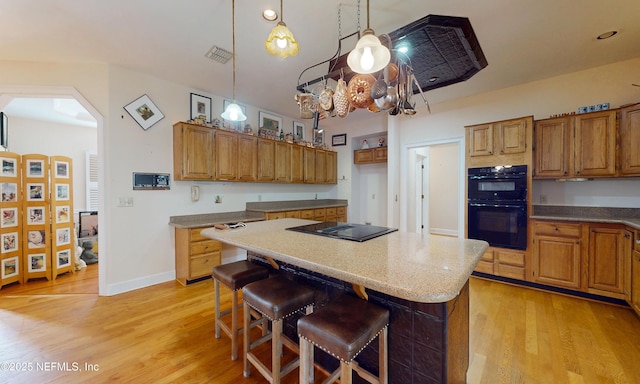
[
  {"x": 444, "y": 185},
  {"x": 59, "y": 140}
]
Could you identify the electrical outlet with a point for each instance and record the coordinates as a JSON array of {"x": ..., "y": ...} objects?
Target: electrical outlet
[{"x": 125, "y": 202}]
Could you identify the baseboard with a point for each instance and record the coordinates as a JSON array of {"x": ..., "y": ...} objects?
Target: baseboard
[{"x": 142, "y": 282}]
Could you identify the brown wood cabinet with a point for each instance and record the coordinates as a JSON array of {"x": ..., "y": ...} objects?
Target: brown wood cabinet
[
  {"x": 266, "y": 159},
  {"x": 576, "y": 146},
  {"x": 319, "y": 214},
  {"x": 205, "y": 153},
  {"x": 635, "y": 280},
  {"x": 557, "y": 250},
  {"x": 193, "y": 152},
  {"x": 226, "y": 155},
  {"x": 370, "y": 155},
  {"x": 629, "y": 155},
  {"x": 498, "y": 143},
  {"x": 195, "y": 254},
  {"x": 609, "y": 261},
  {"x": 247, "y": 158},
  {"x": 282, "y": 163},
  {"x": 503, "y": 262}
]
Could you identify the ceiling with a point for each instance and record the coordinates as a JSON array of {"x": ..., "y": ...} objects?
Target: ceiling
[{"x": 522, "y": 41}]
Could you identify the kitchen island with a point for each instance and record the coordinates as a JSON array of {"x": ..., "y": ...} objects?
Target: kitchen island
[{"x": 421, "y": 279}]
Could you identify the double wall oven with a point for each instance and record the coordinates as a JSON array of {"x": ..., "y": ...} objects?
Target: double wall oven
[{"x": 497, "y": 206}]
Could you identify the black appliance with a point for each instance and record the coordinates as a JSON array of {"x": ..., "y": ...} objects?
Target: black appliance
[
  {"x": 345, "y": 231},
  {"x": 497, "y": 206}
]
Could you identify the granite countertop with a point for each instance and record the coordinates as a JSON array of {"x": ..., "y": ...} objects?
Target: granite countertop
[
  {"x": 209, "y": 219},
  {"x": 415, "y": 267},
  {"x": 279, "y": 206},
  {"x": 626, "y": 216}
]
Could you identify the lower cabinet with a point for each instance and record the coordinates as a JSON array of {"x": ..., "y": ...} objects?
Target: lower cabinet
[
  {"x": 609, "y": 261},
  {"x": 319, "y": 214},
  {"x": 635, "y": 281},
  {"x": 503, "y": 262},
  {"x": 196, "y": 255},
  {"x": 557, "y": 254}
]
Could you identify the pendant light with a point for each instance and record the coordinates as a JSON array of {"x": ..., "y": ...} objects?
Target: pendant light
[
  {"x": 233, "y": 111},
  {"x": 369, "y": 55},
  {"x": 281, "y": 41}
]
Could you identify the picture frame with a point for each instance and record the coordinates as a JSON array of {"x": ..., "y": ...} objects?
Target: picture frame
[
  {"x": 237, "y": 125},
  {"x": 63, "y": 258},
  {"x": 35, "y": 215},
  {"x": 63, "y": 236},
  {"x": 144, "y": 112},
  {"x": 62, "y": 214},
  {"x": 10, "y": 267},
  {"x": 298, "y": 130},
  {"x": 338, "y": 140},
  {"x": 61, "y": 169},
  {"x": 35, "y": 192},
  {"x": 62, "y": 192},
  {"x": 4, "y": 130},
  {"x": 200, "y": 106},
  {"x": 37, "y": 262},
  {"x": 35, "y": 168},
  {"x": 8, "y": 167},
  {"x": 9, "y": 217},
  {"x": 318, "y": 137},
  {"x": 269, "y": 121},
  {"x": 9, "y": 192},
  {"x": 9, "y": 242},
  {"x": 36, "y": 239}
]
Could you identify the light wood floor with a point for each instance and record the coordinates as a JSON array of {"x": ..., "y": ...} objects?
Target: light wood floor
[{"x": 164, "y": 334}]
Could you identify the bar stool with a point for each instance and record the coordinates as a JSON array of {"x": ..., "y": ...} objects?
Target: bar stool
[
  {"x": 343, "y": 328},
  {"x": 234, "y": 276},
  {"x": 275, "y": 298}
]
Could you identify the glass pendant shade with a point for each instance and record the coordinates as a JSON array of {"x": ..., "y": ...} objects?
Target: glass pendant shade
[
  {"x": 233, "y": 113},
  {"x": 281, "y": 42},
  {"x": 369, "y": 55}
]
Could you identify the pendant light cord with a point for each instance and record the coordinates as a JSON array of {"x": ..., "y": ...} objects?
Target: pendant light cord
[
  {"x": 233, "y": 44},
  {"x": 281, "y": 13},
  {"x": 368, "y": 14}
]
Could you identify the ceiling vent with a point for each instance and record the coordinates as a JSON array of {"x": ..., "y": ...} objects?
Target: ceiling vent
[{"x": 218, "y": 54}]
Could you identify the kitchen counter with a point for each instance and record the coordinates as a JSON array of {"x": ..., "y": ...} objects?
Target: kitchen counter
[
  {"x": 625, "y": 216},
  {"x": 210, "y": 219},
  {"x": 426, "y": 269},
  {"x": 294, "y": 205}
]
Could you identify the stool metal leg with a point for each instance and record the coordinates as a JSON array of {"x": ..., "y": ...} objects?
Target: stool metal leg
[{"x": 216, "y": 287}]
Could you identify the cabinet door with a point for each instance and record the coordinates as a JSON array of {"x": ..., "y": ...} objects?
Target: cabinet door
[
  {"x": 512, "y": 136},
  {"x": 297, "y": 164},
  {"x": 266, "y": 159},
  {"x": 309, "y": 161},
  {"x": 609, "y": 250},
  {"x": 321, "y": 166},
  {"x": 552, "y": 150},
  {"x": 362, "y": 156},
  {"x": 635, "y": 282},
  {"x": 480, "y": 140},
  {"x": 193, "y": 152},
  {"x": 247, "y": 158},
  {"x": 282, "y": 163},
  {"x": 226, "y": 144},
  {"x": 630, "y": 141},
  {"x": 556, "y": 261},
  {"x": 332, "y": 168},
  {"x": 595, "y": 144}
]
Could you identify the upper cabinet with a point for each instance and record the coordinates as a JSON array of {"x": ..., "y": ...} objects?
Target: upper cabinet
[
  {"x": 576, "y": 146},
  {"x": 629, "y": 155},
  {"x": 205, "y": 153},
  {"x": 499, "y": 143},
  {"x": 193, "y": 152},
  {"x": 370, "y": 155}
]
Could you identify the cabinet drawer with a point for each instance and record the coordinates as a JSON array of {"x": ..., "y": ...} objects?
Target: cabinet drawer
[
  {"x": 275, "y": 215},
  {"x": 319, "y": 214},
  {"x": 484, "y": 267},
  {"x": 203, "y": 265},
  {"x": 556, "y": 229},
  {"x": 487, "y": 256},
  {"x": 511, "y": 258},
  {"x": 292, "y": 214},
  {"x": 331, "y": 212},
  {"x": 341, "y": 211},
  {"x": 307, "y": 214},
  {"x": 195, "y": 235},
  {"x": 205, "y": 247},
  {"x": 510, "y": 271}
]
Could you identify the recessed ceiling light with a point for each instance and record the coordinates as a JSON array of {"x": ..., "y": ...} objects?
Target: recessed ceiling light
[
  {"x": 269, "y": 14},
  {"x": 607, "y": 35}
]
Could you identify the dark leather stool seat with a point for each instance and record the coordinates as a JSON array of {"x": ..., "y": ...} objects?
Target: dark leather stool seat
[
  {"x": 234, "y": 276},
  {"x": 275, "y": 298},
  {"x": 343, "y": 328}
]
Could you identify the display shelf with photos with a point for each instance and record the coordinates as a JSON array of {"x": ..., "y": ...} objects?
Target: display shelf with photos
[
  {"x": 36, "y": 229},
  {"x": 11, "y": 222},
  {"x": 62, "y": 238}
]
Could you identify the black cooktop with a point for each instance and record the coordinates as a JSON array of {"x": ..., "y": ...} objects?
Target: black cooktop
[{"x": 345, "y": 231}]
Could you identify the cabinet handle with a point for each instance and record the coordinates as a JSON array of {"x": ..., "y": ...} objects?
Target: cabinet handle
[{"x": 578, "y": 242}]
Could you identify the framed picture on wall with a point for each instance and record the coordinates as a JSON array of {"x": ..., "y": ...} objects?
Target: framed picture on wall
[
  {"x": 200, "y": 106},
  {"x": 269, "y": 121},
  {"x": 298, "y": 130},
  {"x": 144, "y": 112}
]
